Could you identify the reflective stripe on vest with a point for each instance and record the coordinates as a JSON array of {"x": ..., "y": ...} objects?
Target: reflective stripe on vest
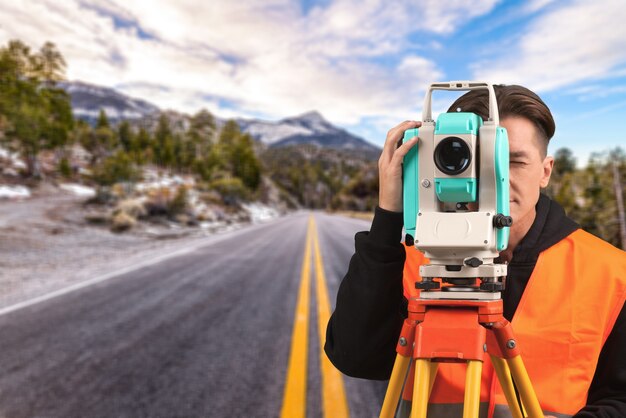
[
  {"x": 503, "y": 411},
  {"x": 451, "y": 410},
  {"x": 448, "y": 410},
  {"x": 568, "y": 309}
]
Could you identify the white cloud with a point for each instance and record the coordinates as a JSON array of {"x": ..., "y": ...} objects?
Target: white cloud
[
  {"x": 247, "y": 57},
  {"x": 596, "y": 91},
  {"x": 374, "y": 26},
  {"x": 578, "y": 41}
]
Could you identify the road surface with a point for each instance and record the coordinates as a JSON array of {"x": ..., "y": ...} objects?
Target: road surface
[{"x": 209, "y": 333}]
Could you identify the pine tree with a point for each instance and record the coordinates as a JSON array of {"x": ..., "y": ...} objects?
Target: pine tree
[
  {"x": 104, "y": 139},
  {"x": 599, "y": 213},
  {"x": 103, "y": 120},
  {"x": 246, "y": 165},
  {"x": 50, "y": 64},
  {"x": 116, "y": 168},
  {"x": 60, "y": 118},
  {"x": 563, "y": 182},
  {"x": 24, "y": 64},
  {"x": 163, "y": 143},
  {"x": 564, "y": 162},
  {"x": 236, "y": 155},
  {"x": 201, "y": 132},
  {"x": 142, "y": 150},
  {"x": 125, "y": 135},
  {"x": 35, "y": 115},
  {"x": 179, "y": 158},
  {"x": 198, "y": 149},
  {"x": 81, "y": 133}
]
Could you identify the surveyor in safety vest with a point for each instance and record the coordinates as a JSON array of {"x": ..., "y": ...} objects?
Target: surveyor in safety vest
[{"x": 564, "y": 294}]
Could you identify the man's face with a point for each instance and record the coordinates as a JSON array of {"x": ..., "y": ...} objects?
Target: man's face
[{"x": 529, "y": 170}]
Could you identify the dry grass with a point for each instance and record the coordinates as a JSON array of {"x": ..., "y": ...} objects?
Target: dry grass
[{"x": 122, "y": 222}]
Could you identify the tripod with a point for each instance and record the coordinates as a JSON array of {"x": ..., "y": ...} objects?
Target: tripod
[{"x": 463, "y": 330}]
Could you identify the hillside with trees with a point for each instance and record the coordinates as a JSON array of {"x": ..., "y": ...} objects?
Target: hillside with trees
[{"x": 214, "y": 164}]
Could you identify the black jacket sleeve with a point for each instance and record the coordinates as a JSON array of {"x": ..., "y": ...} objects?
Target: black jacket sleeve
[{"x": 362, "y": 332}]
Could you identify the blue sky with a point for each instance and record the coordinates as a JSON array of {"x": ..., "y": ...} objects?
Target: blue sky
[{"x": 364, "y": 64}]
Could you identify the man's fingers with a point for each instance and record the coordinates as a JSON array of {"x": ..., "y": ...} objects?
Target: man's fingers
[
  {"x": 403, "y": 150},
  {"x": 394, "y": 135}
]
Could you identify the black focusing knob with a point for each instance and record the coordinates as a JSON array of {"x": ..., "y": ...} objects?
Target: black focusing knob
[
  {"x": 492, "y": 287},
  {"x": 502, "y": 221},
  {"x": 427, "y": 285},
  {"x": 473, "y": 262}
]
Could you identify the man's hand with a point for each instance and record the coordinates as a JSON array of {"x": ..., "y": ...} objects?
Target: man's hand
[{"x": 390, "y": 166}]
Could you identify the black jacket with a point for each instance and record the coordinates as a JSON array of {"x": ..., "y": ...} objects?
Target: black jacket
[{"x": 362, "y": 332}]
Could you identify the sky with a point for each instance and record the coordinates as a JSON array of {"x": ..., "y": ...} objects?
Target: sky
[{"x": 363, "y": 64}]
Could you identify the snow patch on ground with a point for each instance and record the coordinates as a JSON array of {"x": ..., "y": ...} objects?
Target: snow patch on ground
[
  {"x": 14, "y": 159},
  {"x": 78, "y": 189},
  {"x": 155, "y": 180},
  {"x": 260, "y": 213},
  {"x": 14, "y": 192}
]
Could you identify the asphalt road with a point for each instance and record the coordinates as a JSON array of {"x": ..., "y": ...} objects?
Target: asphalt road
[{"x": 204, "y": 334}]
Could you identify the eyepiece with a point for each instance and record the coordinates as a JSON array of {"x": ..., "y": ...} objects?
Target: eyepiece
[{"x": 452, "y": 156}]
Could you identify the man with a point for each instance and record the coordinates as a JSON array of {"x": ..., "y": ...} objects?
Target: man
[{"x": 564, "y": 293}]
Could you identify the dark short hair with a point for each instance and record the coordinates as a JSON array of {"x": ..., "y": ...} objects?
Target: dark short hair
[{"x": 512, "y": 100}]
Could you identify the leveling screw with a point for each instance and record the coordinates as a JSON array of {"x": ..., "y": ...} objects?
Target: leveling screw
[{"x": 510, "y": 344}]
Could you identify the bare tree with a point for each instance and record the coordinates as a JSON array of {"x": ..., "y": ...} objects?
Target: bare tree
[{"x": 617, "y": 185}]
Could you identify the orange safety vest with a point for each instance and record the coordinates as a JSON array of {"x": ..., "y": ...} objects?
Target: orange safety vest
[{"x": 567, "y": 311}]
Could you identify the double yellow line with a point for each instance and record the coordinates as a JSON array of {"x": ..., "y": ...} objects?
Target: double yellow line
[{"x": 333, "y": 393}]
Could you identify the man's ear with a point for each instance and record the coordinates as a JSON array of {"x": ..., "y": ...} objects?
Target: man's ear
[{"x": 548, "y": 165}]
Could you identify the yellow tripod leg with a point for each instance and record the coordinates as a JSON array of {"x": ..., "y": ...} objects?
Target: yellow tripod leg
[
  {"x": 434, "y": 366},
  {"x": 421, "y": 388},
  {"x": 473, "y": 376},
  {"x": 392, "y": 396},
  {"x": 526, "y": 391},
  {"x": 504, "y": 377}
]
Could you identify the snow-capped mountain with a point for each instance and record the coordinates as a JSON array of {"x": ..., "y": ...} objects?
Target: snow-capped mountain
[
  {"x": 88, "y": 99},
  {"x": 309, "y": 128},
  {"x": 271, "y": 133}
]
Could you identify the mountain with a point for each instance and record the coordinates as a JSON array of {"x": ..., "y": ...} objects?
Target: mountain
[
  {"x": 88, "y": 99},
  {"x": 309, "y": 128}
]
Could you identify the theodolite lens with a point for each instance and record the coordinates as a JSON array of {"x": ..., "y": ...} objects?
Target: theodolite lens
[{"x": 452, "y": 155}]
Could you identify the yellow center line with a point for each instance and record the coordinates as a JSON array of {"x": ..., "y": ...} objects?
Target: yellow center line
[
  {"x": 334, "y": 400},
  {"x": 333, "y": 392},
  {"x": 294, "y": 398}
]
